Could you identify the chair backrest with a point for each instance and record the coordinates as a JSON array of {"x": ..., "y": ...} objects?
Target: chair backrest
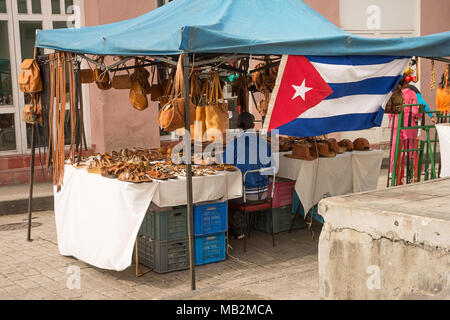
[{"x": 262, "y": 170}]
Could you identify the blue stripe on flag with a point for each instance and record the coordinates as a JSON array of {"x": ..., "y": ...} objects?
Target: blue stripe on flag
[
  {"x": 309, "y": 127},
  {"x": 353, "y": 60},
  {"x": 379, "y": 85}
]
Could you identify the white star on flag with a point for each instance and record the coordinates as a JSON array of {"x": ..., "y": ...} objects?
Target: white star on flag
[{"x": 301, "y": 90}]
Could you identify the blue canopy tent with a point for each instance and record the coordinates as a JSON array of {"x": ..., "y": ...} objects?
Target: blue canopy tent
[
  {"x": 218, "y": 27},
  {"x": 234, "y": 26}
]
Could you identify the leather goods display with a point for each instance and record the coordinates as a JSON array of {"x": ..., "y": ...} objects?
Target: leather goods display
[
  {"x": 30, "y": 76},
  {"x": 394, "y": 105},
  {"x": 361, "y": 144},
  {"x": 87, "y": 75},
  {"x": 347, "y": 144},
  {"x": 322, "y": 149},
  {"x": 334, "y": 146},
  {"x": 121, "y": 81},
  {"x": 217, "y": 121},
  {"x": 156, "y": 89},
  {"x": 32, "y": 113},
  {"x": 263, "y": 104},
  {"x": 138, "y": 98},
  {"x": 301, "y": 150},
  {"x": 101, "y": 78},
  {"x": 139, "y": 87},
  {"x": 171, "y": 115}
]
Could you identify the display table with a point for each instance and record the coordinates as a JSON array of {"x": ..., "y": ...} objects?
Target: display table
[
  {"x": 443, "y": 130},
  {"x": 98, "y": 219},
  {"x": 324, "y": 177}
]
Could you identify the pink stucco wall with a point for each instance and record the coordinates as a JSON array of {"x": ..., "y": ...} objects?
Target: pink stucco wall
[
  {"x": 434, "y": 17},
  {"x": 115, "y": 123}
]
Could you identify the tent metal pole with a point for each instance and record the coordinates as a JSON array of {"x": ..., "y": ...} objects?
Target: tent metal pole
[
  {"x": 188, "y": 159},
  {"x": 33, "y": 128}
]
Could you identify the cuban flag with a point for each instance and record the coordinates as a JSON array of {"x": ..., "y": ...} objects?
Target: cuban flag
[{"x": 316, "y": 95}]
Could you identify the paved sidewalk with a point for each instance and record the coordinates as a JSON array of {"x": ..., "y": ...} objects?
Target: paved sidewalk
[{"x": 36, "y": 270}]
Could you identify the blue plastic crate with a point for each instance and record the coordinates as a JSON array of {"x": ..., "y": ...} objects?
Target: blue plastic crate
[
  {"x": 209, "y": 248},
  {"x": 210, "y": 218},
  {"x": 314, "y": 210}
]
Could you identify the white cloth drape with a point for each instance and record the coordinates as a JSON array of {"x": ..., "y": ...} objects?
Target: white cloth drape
[
  {"x": 443, "y": 130},
  {"x": 98, "y": 219},
  {"x": 324, "y": 177}
]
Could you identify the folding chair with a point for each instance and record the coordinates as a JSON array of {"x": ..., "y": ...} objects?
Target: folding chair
[{"x": 253, "y": 208}]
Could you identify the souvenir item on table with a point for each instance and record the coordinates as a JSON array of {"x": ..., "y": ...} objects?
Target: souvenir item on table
[
  {"x": 334, "y": 146},
  {"x": 361, "y": 144},
  {"x": 347, "y": 144},
  {"x": 301, "y": 151},
  {"x": 323, "y": 150}
]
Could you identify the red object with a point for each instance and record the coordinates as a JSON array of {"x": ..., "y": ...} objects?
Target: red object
[
  {"x": 414, "y": 79},
  {"x": 282, "y": 196},
  {"x": 408, "y": 78},
  {"x": 301, "y": 88}
]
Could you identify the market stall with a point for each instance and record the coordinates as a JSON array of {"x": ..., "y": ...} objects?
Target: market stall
[{"x": 205, "y": 35}]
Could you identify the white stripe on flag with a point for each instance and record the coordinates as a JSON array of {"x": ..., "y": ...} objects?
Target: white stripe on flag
[
  {"x": 346, "y": 105},
  {"x": 333, "y": 73}
]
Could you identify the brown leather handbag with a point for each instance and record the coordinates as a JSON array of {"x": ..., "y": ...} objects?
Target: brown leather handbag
[
  {"x": 217, "y": 121},
  {"x": 141, "y": 75},
  {"x": 121, "y": 81},
  {"x": 87, "y": 75},
  {"x": 171, "y": 116},
  {"x": 156, "y": 90}
]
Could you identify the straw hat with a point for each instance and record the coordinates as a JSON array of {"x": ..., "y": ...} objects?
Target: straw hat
[
  {"x": 347, "y": 144},
  {"x": 333, "y": 146},
  {"x": 301, "y": 151},
  {"x": 361, "y": 144}
]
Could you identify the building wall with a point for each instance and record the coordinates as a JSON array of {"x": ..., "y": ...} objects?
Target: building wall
[
  {"x": 434, "y": 17},
  {"x": 115, "y": 123}
]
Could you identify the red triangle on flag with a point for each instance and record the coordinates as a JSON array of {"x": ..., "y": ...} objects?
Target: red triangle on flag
[{"x": 301, "y": 88}]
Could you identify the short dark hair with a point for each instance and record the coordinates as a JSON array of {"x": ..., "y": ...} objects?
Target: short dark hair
[{"x": 246, "y": 121}]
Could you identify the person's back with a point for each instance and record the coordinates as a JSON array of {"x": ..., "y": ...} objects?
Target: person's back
[
  {"x": 250, "y": 151},
  {"x": 443, "y": 95}
]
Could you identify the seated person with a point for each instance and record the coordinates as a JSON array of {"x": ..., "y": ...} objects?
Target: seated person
[{"x": 249, "y": 151}]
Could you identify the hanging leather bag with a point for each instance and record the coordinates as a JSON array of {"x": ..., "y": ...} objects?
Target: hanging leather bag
[
  {"x": 217, "y": 120},
  {"x": 171, "y": 116},
  {"x": 30, "y": 76},
  {"x": 156, "y": 90}
]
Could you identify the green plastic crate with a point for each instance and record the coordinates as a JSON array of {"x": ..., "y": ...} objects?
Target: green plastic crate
[
  {"x": 282, "y": 219},
  {"x": 163, "y": 256},
  {"x": 165, "y": 225}
]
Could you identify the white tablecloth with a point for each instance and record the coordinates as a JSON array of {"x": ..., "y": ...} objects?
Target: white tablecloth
[
  {"x": 97, "y": 219},
  {"x": 443, "y": 130},
  {"x": 324, "y": 177}
]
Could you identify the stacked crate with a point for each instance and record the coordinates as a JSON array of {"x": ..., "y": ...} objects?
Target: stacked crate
[
  {"x": 163, "y": 239},
  {"x": 281, "y": 209},
  {"x": 210, "y": 226}
]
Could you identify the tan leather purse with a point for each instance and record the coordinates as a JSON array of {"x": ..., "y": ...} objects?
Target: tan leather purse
[
  {"x": 138, "y": 98},
  {"x": 121, "y": 81},
  {"x": 217, "y": 121},
  {"x": 171, "y": 116}
]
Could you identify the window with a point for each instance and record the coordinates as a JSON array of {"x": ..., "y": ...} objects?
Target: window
[
  {"x": 19, "y": 20},
  {"x": 160, "y": 3}
]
